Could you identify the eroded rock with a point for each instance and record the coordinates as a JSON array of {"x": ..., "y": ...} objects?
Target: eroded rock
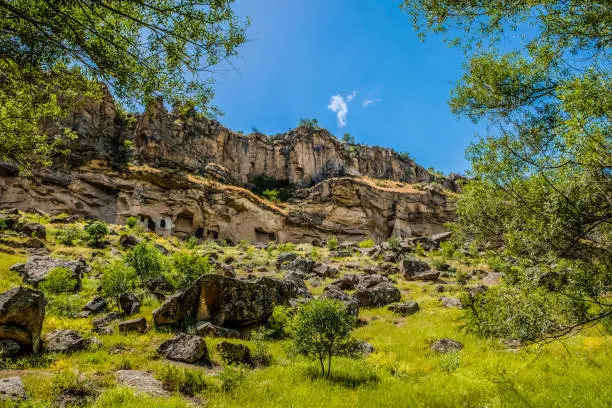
[
  {"x": 22, "y": 312},
  {"x": 405, "y": 308},
  {"x": 382, "y": 294},
  {"x": 185, "y": 348},
  {"x": 64, "y": 341}
]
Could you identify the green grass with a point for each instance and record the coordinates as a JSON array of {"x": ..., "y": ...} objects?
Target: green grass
[{"x": 8, "y": 278}]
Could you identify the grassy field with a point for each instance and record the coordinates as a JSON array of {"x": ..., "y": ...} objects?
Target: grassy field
[{"x": 402, "y": 372}]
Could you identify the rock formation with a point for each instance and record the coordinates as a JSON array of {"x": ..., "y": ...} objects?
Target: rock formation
[{"x": 188, "y": 175}]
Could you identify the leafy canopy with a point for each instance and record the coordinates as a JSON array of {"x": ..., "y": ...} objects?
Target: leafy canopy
[
  {"x": 56, "y": 53},
  {"x": 542, "y": 183}
]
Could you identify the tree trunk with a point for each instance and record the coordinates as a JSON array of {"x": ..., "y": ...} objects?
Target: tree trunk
[{"x": 322, "y": 366}]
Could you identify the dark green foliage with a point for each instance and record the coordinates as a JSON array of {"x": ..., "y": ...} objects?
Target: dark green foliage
[
  {"x": 322, "y": 330},
  {"x": 187, "y": 267},
  {"x": 96, "y": 233},
  {"x": 148, "y": 263},
  {"x": 117, "y": 278},
  {"x": 131, "y": 222},
  {"x": 59, "y": 280},
  {"x": 281, "y": 190},
  {"x": 279, "y": 325},
  {"x": 67, "y": 236},
  {"x": 348, "y": 138},
  {"x": 311, "y": 124}
]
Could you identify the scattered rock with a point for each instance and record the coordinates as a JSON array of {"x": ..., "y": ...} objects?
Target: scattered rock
[
  {"x": 129, "y": 303},
  {"x": 441, "y": 237},
  {"x": 282, "y": 291},
  {"x": 382, "y": 294},
  {"x": 37, "y": 268},
  {"x": 22, "y": 312},
  {"x": 135, "y": 325},
  {"x": 451, "y": 302},
  {"x": 340, "y": 254},
  {"x": 96, "y": 305},
  {"x": 285, "y": 257},
  {"x": 129, "y": 241},
  {"x": 405, "y": 308},
  {"x": 334, "y": 292},
  {"x": 142, "y": 382},
  {"x": 411, "y": 266},
  {"x": 325, "y": 271},
  {"x": 423, "y": 276},
  {"x": 347, "y": 282},
  {"x": 9, "y": 348},
  {"x": 207, "y": 329},
  {"x": 9, "y": 218},
  {"x": 34, "y": 230},
  {"x": 12, "y": 388},
  {"x": 64, "y": 341},
  {"x": 444, "y": 346},
  {"x": 299, "y": 264},
  {"x": 232, "y": 353},
  {"x": 185, "y": 348},
  {"x": 368, "y": 281},
  {"x": 362, "y": 347},
  {"x": 100, "y": 325},
  {"x": 296, "y": 279},
  {"x": 221, "y": 300}
]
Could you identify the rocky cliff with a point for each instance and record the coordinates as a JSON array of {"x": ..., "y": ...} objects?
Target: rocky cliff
[{"x": 184, "y": 174}]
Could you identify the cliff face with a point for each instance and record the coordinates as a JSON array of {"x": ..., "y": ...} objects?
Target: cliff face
[{"x": 187, "y": 172}]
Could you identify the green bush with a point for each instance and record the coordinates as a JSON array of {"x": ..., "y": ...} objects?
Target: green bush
[
  {"x": 59, "y": 280},
  {"x": 286, "y": 247},
  {"x": 117, "y": 278},
  {"x": 280, "y": 322},
  {"x": 419, "y": 250},
  {"x": 462, "y": 278},
  {"x": 332, "y": 243},
  {"x": 67, "y": 236},
  {"x": 65, "y": 304},
  {"x": 315, "y": 255},
  {"x": 3, "y": 225},
  {"x": 186, "y": 268},
  {"x": 131, "y": 222},
  {"x": 272, "y": 195},
  {"x": 96, "y": 233},
  {"x": 148, "y": 262},
  {"x": 191, "y": 242},
  {"x": 184, "y": 380},
  {"x": 394, "y": 243},
  {"x": 449, "y": 362},
  {"x": 367, "y": 243},
  {"x": 322, "y": 329}
]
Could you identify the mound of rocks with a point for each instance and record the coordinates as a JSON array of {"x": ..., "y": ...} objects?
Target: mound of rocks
[{"x": 379, "y": 295}]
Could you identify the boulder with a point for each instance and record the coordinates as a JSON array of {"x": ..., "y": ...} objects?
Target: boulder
[
  {"x": 96, "y": 305},
  {"x": 299, "y": 264},
  {"x": 404, "y": 308},
  {"x": 129, "y": 303},
  {"x": 232, "y": 353},
  {"x": 135, "y": 325},
  {"x": 12, "y": 388},
  {"x": 451, "y": 302},
  {"x": 129, "y": 241},
  {"x": 22, "y": 312},
  {"x": 334, "y": 292},
  {"x": 423, "y": 276},
  {"x": 362, "y": 347},
  {"x": 207, "y": 329},
  {"x": 34, "y": 230},
  {"x": 441, "y": 237},
  {"x": 285, "y": 257},
  {"x": 9, "y": 220},
  {"x": 347, "y": 282},
  {"x": 9, "y": 348},
  {"x": 411, "y": 266},
  {"x": 224, "y": 301},
  {"x": 444, "y": 346},
  {"x": 37, "y": 268},
  {"x": 64, "y": 341},
  {"x": 367, "y": 281},
  {"x": 282, "y": 291},
  {"x": 296, "y": 279},
  {"x": 185, "y": 348},
  {"x": 324, "y": 270},
  {"x": 382, "y": 294},
  {"x": 100, "y": 325}
]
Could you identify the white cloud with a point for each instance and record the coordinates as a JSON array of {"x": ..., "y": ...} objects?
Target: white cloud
[
  {"x": 339, "y": 105},
  {"x": 369, "y": 102}
]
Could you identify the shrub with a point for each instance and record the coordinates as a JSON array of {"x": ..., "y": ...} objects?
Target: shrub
[
  {"x": 96, "y": 233},
  {"x": 147, "y": 261},
  {"x": 191, "y": 242},
  {"x": 64, "y": 304},
  {"x": 131, "y": 222},
  {"x": 332, "y": 243},
  {"x": 117, "y": 278},
  {"x": 67, "y": 236},
  {"x": 3, "y": 225},
  {"x": 348, "y": 138},
  {"x": 368, "y": 243},
  {"x": 231, "y": 378},
  {"x": 419, "y": 250},
  {"x": 184, "y": 380},
  {"x": 450, "y": 362},
  {"x": 286, "y": 247},
  {"x": 394, "y": 243},
  {"x": 272, "y": 195},
  {"x": 59, "y": 280},
  {"x": 187, "y": 268},
  {"x": 309, "y": 123},
  {"x": 462, "y": 278},
  {"x": 280, "y": 322},
  {"x": 260, "y": 353},
  {"x": 322, "y": 330},
  {"x": 315, "y": 255}
]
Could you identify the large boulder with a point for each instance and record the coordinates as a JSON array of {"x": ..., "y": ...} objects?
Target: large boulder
[
  {"x": 37, "y": 268},
  {"x": 296, "y": 279},
  {"x": 347, "y": 282},
  {"x": 34, "y": 230},
  {"x": 300, "y": 264},
  {"x": 410, "y": 266},
  {"x": 133, "y": 326},
  {"x": 185, "y": 348},
  {"x": 382, "y": 294},
  {"x": 324, "y": 270},
  {"x": 334, "y": 292},
  {"x": 282, "y": 291},
  {"x": 129, "y": 241},
  {"x": 232, "y": 353},
  {"x": 22, "y": 312},
  {"x": 64, "y": 341},
  {"x": 224, "y": 301},
  {"x": 96, "y": 305},
  {"x": 9, "y": 348},
  {"x": 129, "y": 303},
  {"x": 368, "y": 281},
  {"x": 207, "y": 329}
]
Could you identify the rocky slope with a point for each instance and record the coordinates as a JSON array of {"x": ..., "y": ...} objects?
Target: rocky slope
[{"x": 188, "y": 175}]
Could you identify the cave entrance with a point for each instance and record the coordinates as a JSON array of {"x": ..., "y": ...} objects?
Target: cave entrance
[
  {"x": 199, "y": 233},
  {"x": 184, "y": 223},
  {"x": 150, "y": 225},
  {"x": 264, "y": 236},
  {"x": 212, "y": 234}
]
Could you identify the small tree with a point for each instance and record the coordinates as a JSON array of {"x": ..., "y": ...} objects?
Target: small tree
[
  {"x": 59, "y": 280},
  {"x": 322, "y": 330},
  {"x": 187, "y": 268},
  {"x": 348, "y": 138},
  {"x": 117, "y": 278},
  {"x": 131, "y": 222},
  {"x": 147, "y": 261},
  {"x": 272, "y": 195},
  {"x": 309, "y": 123},
  {"x": 96, "y": 233}
]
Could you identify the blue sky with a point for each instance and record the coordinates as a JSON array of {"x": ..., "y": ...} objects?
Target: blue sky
[{"x": 302, "y": 53}]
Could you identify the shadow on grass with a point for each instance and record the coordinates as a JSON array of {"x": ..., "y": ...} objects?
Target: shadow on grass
[{"x": 344, "y": 377}]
